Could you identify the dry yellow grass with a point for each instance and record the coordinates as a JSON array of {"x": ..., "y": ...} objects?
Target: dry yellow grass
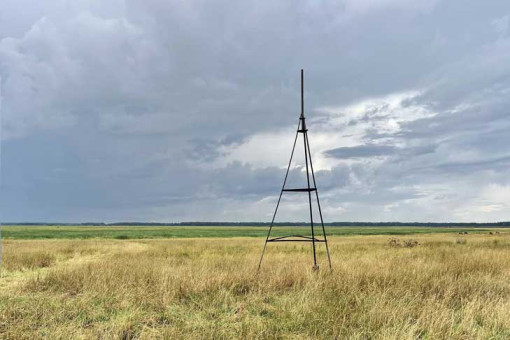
[{"x": 208, "y": 288}]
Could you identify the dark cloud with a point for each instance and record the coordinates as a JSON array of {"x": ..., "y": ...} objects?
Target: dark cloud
[
  {"x": 158, "y": 110},
  {"x": 361, "y": 151}
]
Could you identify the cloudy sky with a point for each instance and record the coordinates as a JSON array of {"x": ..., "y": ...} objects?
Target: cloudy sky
[{"x": 157, "y": 110}]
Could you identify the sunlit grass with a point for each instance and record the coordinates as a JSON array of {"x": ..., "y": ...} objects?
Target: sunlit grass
[{"x": 209, "y": 288}]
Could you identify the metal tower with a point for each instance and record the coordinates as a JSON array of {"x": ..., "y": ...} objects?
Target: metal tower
[{"x": 309, "y": 189}]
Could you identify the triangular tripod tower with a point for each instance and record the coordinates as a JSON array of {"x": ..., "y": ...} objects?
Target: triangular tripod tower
[{"x": 308, "y": 190}]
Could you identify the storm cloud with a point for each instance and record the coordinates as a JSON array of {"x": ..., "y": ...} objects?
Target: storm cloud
[
  {"x": 170, "y": 111},
  {"x": 367, "y": 150}
]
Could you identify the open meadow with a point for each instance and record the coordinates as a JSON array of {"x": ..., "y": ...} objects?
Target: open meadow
[{"x": 205, "y": 285}]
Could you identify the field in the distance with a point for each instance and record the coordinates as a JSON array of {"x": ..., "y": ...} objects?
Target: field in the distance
[
  {"x": 449, "y": 286},
  {"x": 148, "y": 232}
]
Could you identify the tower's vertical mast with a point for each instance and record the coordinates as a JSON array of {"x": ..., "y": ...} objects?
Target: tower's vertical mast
[
  {"x": 303, "y": 127},
  {"x": 302, "y": 95}
]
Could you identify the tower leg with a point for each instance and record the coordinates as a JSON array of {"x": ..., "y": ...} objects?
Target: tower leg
[
  {"x": 279, "y": 199},
  {"x": 318, "y": 203}
]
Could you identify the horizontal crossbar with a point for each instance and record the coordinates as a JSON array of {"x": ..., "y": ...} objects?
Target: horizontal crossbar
[
  {"x": 301, "y": 190},
  {"x": 304, "y": 239},
  {"x": 302, "y": 131}
]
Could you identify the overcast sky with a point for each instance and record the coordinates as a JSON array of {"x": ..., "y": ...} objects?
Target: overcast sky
[{"x": 157, "y": 110}]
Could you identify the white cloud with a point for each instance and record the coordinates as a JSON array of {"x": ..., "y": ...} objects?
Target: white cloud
[
  {"x": 362, "y": 6},
  {"x": 330, "y": 128}
]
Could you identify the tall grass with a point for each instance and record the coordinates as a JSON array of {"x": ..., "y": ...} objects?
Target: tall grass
[{"x": 209, "y": 288}]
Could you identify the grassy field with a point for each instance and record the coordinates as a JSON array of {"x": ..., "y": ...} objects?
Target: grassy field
[
  {"x": 129, "y": 232},
  {"x": 446, "y": 287}
]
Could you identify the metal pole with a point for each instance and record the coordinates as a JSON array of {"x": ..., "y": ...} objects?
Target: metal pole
[
  {"x": 279, "y": 199},
  {"x": 302, "y": 95},
  {"x": 303, "y": 126},
  {"x": 318, "y": 202}
]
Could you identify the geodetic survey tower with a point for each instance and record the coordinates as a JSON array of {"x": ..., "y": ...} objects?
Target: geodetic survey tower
[{"x": 309, "y": 189}]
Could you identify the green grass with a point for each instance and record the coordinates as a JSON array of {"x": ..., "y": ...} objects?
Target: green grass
[{"x": 134, "y": 232}]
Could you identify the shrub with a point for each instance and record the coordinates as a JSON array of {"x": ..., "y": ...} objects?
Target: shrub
[
  {"x": 410, "y": 243},
  {"x": 394, "y": 242}
]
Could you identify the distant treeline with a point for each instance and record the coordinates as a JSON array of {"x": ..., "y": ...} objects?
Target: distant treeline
[{"x": 264, "y": 224}]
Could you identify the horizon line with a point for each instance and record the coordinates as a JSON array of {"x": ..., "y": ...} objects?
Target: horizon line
[{"x": 219, "y": 223}]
